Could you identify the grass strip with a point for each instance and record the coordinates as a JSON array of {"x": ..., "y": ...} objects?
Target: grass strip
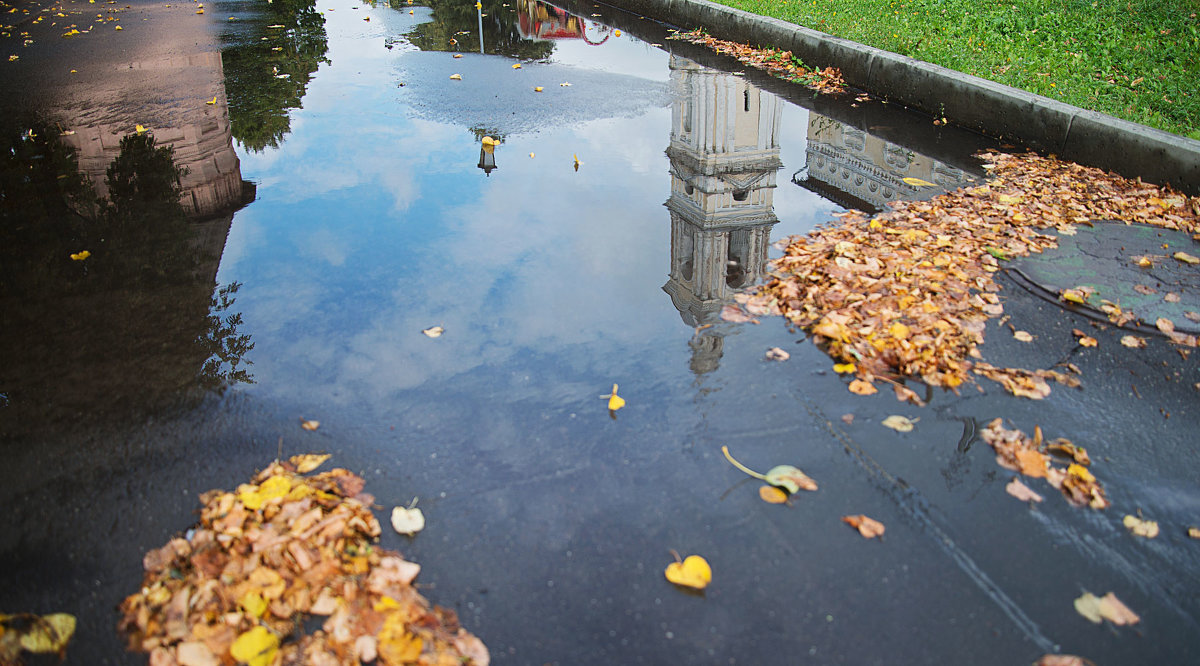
[{"x": 1138, "y": 60}]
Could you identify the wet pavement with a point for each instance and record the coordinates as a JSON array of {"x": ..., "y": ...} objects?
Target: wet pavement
[{"x": 359, "y": 208}]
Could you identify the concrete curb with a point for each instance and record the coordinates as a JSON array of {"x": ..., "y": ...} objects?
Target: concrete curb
[{"x": 1034, "y": 121}]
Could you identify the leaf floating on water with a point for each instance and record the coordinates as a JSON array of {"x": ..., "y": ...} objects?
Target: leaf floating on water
[
  {"x": 408, "y": 521},
  {"x": 310, "y": 425},
  {"x": 772, "y": 495},
  {"x": 516, "y": 65},
  {"x": 537, "y": 89},
  {"x": 615, "y": 401},
  {"x": 692, "y": 572},
  {"x": 1108, "y": 607},
  {"x": 899, "y": 423},
  {"x": 787, "y": 477},
  {"x": 777, "y": 354},
  {"x": 848, "y": 419},
  {"x": 80, "y": 256},
  {"x": 433, "y": 331},
  {"x": 577, "y": 162},
  {"x": 307, "y": 462},
  {"x": 564, "y": 84},
  {"x": 917, "y": 182},
  {"x": 1022, "y": 492},
  {"x": 868, "y": 527},
  {"x": 1023, "y": 336},
  {"x": 1194, "y": 532},
  {"x": 1186, "y": 258},
  {"x": 863, "y": 387},
  {"x": 1139, "y": 527},
  {"x": 1133, "y": 342},
  {"x": 456, "y": 77},
  {"x": 458, "y": 55},
  {"x": 489, "y": 141}
]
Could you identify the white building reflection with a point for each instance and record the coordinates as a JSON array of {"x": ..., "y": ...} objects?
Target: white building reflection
[
  {"x": 860, "y": 170},
  {"x": 724, "y": 155}
]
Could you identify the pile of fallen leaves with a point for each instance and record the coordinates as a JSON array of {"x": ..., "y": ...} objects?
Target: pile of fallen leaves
[
  {"x": 1032, "y": 457},
  {"x": 774, "y": 61},
  {"x": 239, "y": 587},
  {"x": 907, "y": 293}
]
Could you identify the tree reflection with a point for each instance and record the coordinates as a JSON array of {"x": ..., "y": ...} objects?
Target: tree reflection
[
  {"x": 131, "y": 329},
  {"x": 458, "y": 20},
  {"x": 267, "y": 69}
]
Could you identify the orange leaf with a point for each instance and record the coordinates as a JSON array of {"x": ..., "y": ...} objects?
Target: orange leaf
[{"x": 868, "y": 527}]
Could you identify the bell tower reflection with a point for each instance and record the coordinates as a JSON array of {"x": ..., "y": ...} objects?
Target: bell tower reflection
[{"x": 724, "y": 155}]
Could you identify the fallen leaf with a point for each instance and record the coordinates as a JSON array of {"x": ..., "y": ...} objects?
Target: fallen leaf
[
  {"x": 616, "y": 33},
  {"x": 516, "y": 65},
  {"x": 456, "y": 55},
  {"x": 917, "y": 182},
  {"x": 1165, "y": 325},
  {"x": 615, "y": 401},
  {"x": 454, "y": 77},
  {"x": 310, "y": 425},
  {"x": 1066, "y": 448},
  {"x": 1021, "y": 491},
  {"x": 212, "y": 101},
  {"x": 139, "y": 129},
  {"x": 777, "y": 354},
  {"x": 537, "y": 89},
  {"x": 787, "y": 477},
  {"x": 489, "y": 141},
  {"x": 1145, "y": 290},
  {"x": 862, "y": 387},
  {"x": 692, "y": 572},
  {"x": 868, "y": 527},
  {"x": 1031, "y": 462},
  {"x": 772, "y": 495},
  {"x": 1192, "y": 315},
  {"x": 1186, "y": 258},
  {"x": 1194, "y": 532},
  {"x": 1133, "y": 342},
  {"x": 847, "y": 419},
  {"x": 39, "y": 634},
  {"x": 844, "y": 368},
  {"x": 1023, "y": 336},
  {"x": 396, "y": 644},
  {"x": 899, "y": 423},
  {"x": 564, "y": 84},
  {"x": 408, "y": 520},
  {"x": 307, "y": 462},
  {"x": 434, "y": 331},
  {"x": 256, "y": 647},
  {"x": 1139, "y": 527},
  {"x": 80, "y": 256},
  {"x": 1063, "y": 660}
]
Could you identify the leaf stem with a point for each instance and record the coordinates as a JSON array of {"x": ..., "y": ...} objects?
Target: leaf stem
[{"x": 725, "y": 450}]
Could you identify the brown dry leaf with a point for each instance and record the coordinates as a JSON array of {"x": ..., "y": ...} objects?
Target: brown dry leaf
[
  {"x": 310, "y": 424},
  {"x": 1064, "y": 447},
  {"x": 1145, "y": 289},
  {"x": 772, "y": 495},
  {"x": 868, "y": 527},
  {"x": 1021, "y": 491},
  {"x": 847, "y": 419},
  {"x": 307, "y": 462},
  {"x": 861, "y": 387},
  {"x": 1023, "y": 336},
  {"x": 1165, "y": 325},
  {"x": 1133, "y": 341},
  {"x": 1031, "y": 462}
]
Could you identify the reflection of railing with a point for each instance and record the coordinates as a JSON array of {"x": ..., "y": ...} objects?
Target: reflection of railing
[{"x": 540, "y": 20}]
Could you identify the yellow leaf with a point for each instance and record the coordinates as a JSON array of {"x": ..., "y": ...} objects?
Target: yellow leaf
[
  {"x": 386, "y": 604},
  {"x": 772, "y": 495},
  {"x": 537, "y": 89},
  {"x": 1081, "y": 472},
  {"x": 1142, "y": 528},
  {"x": 898, "y": 331},
  {"x": 256, "y": 647},
  {"x": 397, "y": 645},
  {"x": 489, "y": 141},
  {"x": 692, "y": 572},
  {"x": 456, "y": 55},
  {"x": 212, "y": 101},
  {"x": 615, "y": 401},
  {"x": 899, "y": 423},
  {"x": 253, "y": 604},
  {"x": 1073, "y": 296},
  {"x": 1008, "y": 198},
  {"x": 456, "y": 77},
  {"x": 617, "y": 33},
  {"x": 310, "y": 425},
  {"x": 199, "y": 11},
  {"x": 42, "y": 634},
  {"x": 407, "y": 521},
  {"x": 1194, "y": 532},
  {"x": 119, "y": 28},
  {"x": 1186, "y": 258},
  {"x": 844, "y": 368},
  {"x": 308, "y": 462},
  {"x": 140, "y": 129},
  {"x": 516, "y": 65},
  {"x": 80, "y": 256},
  {"x": 917, "y": 182},
  {"x": 253, "y": 497}
]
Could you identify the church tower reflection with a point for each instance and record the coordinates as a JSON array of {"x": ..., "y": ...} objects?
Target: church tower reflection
[{"x": 724, "y": 155}]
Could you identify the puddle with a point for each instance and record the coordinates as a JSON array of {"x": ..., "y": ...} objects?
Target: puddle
[{"x": 338, "y": 200}]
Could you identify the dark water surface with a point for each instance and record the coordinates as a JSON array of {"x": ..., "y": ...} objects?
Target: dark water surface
[{"x": 336, "y": 202}]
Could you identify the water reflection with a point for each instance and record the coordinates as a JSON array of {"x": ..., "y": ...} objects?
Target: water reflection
[
  {"x": 270, "y": 54},
  {"x": 455, "y": 26},
  {"x": 541, "y": 20},
  {"x": 724, "y": 155},
  {"x": 859, "y": 170}
]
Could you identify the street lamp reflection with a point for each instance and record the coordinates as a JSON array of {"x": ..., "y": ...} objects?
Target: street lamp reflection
[{"x": 487, "y": 155}]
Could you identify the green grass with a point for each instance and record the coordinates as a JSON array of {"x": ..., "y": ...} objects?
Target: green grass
[{"x": 1136, "y": 60}]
